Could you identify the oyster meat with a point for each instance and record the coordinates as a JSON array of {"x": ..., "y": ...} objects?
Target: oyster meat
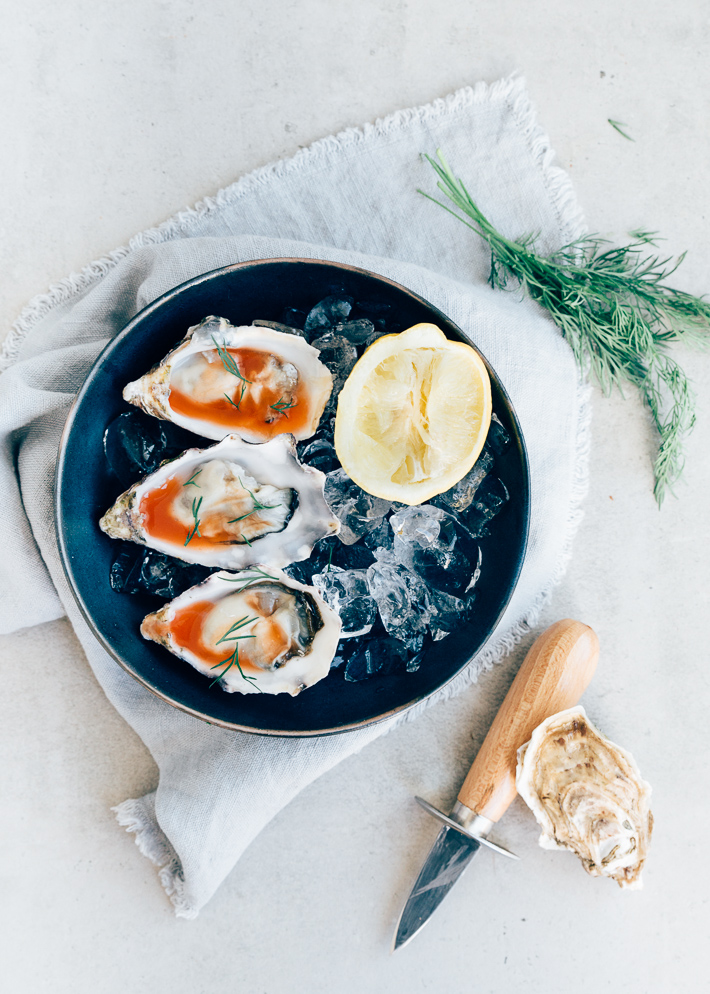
[
  {"x": 257, "y": 631},
  {"x": 250, "y": 380},
  {"x": 587, "y": 795},
  {"x": 228, "y": 506}
]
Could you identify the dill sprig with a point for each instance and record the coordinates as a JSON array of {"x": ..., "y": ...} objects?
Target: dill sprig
[
  {"x": 233, "y": 659},
  {"x": 257, "y": 574},
  {"x": 241, "y": 397},
  {"x": 191, "y": 481},
  {"x": 614, "y": 310},
  {"x": 230, "y": 364},
  {"x": 195, "y": 530},
  {"x": 258, "y": 506},
  {"x": 281, "y": 406},
  {"x": 617, "y": 126},
  {"x": 228, "y": 360}
]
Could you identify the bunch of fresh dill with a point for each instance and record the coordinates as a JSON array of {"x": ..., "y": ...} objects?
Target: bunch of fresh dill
[{"x": 613, "y": 308}]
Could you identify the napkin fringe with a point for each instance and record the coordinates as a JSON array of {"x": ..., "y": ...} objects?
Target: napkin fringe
[
  {"x": 137, "y": 815},
  {"x": 511, "y": 89}
]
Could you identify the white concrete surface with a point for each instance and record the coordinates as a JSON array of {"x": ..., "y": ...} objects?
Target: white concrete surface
[{"x": 113, "y": 117}]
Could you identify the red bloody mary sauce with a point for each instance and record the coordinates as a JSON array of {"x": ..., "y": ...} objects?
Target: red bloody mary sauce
[
  {"x": 254, "y": 407},
  {"x": 156, "y": 508},
  {"x": 186, "y": 629}
]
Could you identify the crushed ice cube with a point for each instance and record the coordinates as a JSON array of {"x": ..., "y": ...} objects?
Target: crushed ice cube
[
  {"x": 338, "y": 354},
  {"x": 380, "y": 537},
  {"x": 357, "y": 331},
  {"x": 419, "y": 524},
  {"x": 347, "y": 592},
  {"x": 401, "y": 599},
  {"x": 447, "y": 613},
  {"x": 376, "y": 656},
  {"x": 136, "y": 444},
  {"x": 328, "y": 312},
  {"x": 490, "y": 500},
  {"x": 320, "y": 558},
  {"x": 358, "y": 511},
  {"x": 319, "y": 453},
  {"x": 461, "y": 495},
  {"x": 285, "y": 329},
  {"x": 434, "y": 544},
  {"x": 293, "y": 317},
  {"x": 498, "y": 437}
]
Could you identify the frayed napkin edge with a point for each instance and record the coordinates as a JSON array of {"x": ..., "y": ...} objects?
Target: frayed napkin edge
[
  {"x": 137, "y": 815},
  {"x": 511, "y": 89}
]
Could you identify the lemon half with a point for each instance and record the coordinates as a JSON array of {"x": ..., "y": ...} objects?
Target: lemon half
[{"x": 413, "y": 415}]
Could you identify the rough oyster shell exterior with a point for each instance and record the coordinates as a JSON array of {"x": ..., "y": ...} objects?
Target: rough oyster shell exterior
[{"x": 587, "y": 795}]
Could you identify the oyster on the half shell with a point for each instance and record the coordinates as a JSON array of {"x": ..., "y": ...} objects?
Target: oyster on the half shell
[
  {"x": 228, "y": 506},
  {"x": 257, "y": 631},
  {"x": 587, "y": 795},
  {"x": 250, "y": 380}
]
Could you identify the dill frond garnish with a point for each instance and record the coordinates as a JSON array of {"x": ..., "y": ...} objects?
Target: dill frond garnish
[
  {"x": 241, "y": 397},
  {"x": 617, "y": 126},
  {"x": 191, "y": 481},
  {"x": 228, "y": 360},
  {"x": 195, "y": 530},
  {"x": 281, "y": 406},
  {"x": 230, "y": 364},
  {"x": 258, "y": 506},
  {"x": 257, "y": 575},
  {"x": 613, "y": 309},
  {"x": 233, "y": 659}
]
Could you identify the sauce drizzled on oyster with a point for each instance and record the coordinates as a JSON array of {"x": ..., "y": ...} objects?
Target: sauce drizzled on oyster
[
  {"x": 253, "y": 381},
  {"x": 233, "y": 507},
  {"x": 280, "y": 623},
  {"x": 253, "y": 632},
  {"x": 241, "y": 389}
]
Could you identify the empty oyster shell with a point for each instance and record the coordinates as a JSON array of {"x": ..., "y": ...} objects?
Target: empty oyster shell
[
  {"x": 251, "y": 380},
  {"x": 587, "y": 796},
  {"x": 257, "y": 631},
  {"x": 228, "y": 506}
]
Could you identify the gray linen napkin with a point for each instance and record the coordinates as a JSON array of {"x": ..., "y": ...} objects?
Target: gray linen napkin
[{"x": 349, "y": 198}]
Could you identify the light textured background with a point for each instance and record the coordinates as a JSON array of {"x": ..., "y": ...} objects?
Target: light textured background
[{"x": 113, "y": 117}]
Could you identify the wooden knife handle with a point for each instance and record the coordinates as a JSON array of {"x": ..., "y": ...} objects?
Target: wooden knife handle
[{"x": 554, "y": 675}]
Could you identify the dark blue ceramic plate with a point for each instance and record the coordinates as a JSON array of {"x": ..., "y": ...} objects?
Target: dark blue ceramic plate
[{"x": 84, "y": 489}]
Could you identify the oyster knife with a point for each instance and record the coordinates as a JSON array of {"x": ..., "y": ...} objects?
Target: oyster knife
[{"x": 554, "y": 675}]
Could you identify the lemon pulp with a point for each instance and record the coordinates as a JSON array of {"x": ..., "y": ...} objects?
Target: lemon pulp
[{"x": 413, "y": 415}]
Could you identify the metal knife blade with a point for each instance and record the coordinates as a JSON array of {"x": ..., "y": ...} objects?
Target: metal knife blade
[
  {"x": 448, "y": 858},
  {"x": 553, "y": 676}
]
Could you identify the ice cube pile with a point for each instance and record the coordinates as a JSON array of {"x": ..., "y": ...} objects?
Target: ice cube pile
[{"x": 400, "y": 577}]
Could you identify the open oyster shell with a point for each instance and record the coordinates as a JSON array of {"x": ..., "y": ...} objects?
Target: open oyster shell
[
  {"x": 251, "y": 380},
  {"x": 587, "y": 795},
  {"x": 228, "y": 506},
  {"x": 256, "y": 631}
]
